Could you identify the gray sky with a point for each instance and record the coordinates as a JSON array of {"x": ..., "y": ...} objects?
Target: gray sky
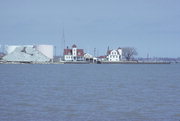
[{"x": 151, "y": 26}]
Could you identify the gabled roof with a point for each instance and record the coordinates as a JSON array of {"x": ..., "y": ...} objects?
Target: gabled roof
[
  {"x": 87, "y": 55},
  {"x": 109, "y": 52},
  {"x": 67, "y": 51},
  {"x": 80, "y": 52}
]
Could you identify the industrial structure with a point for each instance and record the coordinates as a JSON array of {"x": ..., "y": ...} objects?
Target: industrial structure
[
  {"x": 47, "y": 50},
  {"x": 29, "y": 53},
  {"x": 10, "y": 48}
]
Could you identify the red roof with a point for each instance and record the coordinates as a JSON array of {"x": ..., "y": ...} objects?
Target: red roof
[
  {"x": 102, "y": 57},
  {"x": 80, "y": 52},
  {"x": 67, "y": 51}
]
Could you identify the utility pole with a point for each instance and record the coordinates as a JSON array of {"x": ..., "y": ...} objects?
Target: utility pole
[
  {"x": 94, "y": 52},
  {"x": 62, "y": 44},
  {"x": 55, "y": 51},
  {"x": 148, "y": 56},
  {"x": 107, "y": 51}
]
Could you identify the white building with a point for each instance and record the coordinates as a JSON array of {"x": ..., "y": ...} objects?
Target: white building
[
  {"x": 26, "y": 54},
  {"x": 90, "y": 58},
  {"x": 10, "y": 48},
  {"x": 114, "y": 55},
  {"x": 73, "y": 54},
  {"x": 29, "y": 53},
  {"x": 47, "y": 50}
]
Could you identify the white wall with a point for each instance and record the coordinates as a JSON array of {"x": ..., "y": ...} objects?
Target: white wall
[
  {"x": 47, "y": 50},
  {"x": 74, "y": 51},
  {"x": 113, "y": 56},
  {"x": 120, "y": 53},
  {"x": 68, "y": 57}
]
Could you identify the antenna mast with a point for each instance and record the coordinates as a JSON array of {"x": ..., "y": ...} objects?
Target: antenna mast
[
  {"x": 63, "y": 37},
  {"x": 63, "y": 44}
]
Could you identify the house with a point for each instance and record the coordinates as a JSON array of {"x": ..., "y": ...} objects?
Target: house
[
  {"x": 88, "y": 57},
  {"x": 114, "y": 55},
  {"x": 102, "y": 58},
  {"x": 73, "y": 54}
]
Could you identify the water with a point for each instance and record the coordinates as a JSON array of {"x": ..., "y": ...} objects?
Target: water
[{"x": 90, "y": 92}]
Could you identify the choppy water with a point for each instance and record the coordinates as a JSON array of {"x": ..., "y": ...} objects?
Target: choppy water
[{"x": 90, "y": 92}]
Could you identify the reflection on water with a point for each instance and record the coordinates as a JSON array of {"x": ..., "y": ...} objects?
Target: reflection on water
[{"x": 89, "y": 92}]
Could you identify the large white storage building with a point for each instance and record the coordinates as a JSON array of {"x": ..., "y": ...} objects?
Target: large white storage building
[
  {"x": 10, "y": 48},
  {"x": 29, "y": 53},
  {"x": 47, "y": 50}
]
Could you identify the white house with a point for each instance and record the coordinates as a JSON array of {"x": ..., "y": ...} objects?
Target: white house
[
  {"x": 73, "y": 54},
  {"x": 114, "y": 55},
  {"x": 90, "y": 58}
]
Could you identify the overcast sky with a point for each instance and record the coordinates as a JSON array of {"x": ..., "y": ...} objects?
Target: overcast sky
[{"x": 151, "y": 26}]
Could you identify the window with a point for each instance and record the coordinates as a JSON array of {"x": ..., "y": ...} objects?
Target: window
[{"x": 79, "y": 53}]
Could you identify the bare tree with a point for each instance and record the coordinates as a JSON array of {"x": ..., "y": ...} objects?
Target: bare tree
[{"x": 129, "y": 53}]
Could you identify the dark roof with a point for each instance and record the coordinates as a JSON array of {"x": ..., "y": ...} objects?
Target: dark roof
[{"x": 74, "y": 46}]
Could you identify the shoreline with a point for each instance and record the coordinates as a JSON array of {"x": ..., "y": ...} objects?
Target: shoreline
[{"x": 86, "y": 62}]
